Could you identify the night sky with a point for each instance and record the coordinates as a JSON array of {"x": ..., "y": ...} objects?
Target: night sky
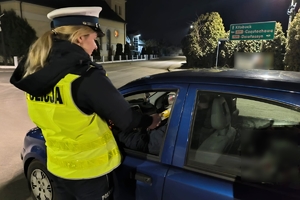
[{"x": 170, "y": 19}]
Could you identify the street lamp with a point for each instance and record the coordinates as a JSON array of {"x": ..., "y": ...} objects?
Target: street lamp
[
  {"x": 291, "y": 11},
  {"x": 218, "y": 47}
]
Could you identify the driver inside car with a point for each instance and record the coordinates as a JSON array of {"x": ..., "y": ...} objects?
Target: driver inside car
[{"x": 148, "y": 141}]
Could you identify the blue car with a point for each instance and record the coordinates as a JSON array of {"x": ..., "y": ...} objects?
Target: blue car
[{"x": 231, "y": 134}]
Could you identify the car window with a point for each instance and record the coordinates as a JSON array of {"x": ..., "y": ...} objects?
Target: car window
[
  {"x": 139, "y": 95},
  {"x": 148, "y": 102},
  {"x": 245, "y": 137}
]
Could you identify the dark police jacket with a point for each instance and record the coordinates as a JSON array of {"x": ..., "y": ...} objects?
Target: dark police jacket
[{"x": 92, "y": 92}]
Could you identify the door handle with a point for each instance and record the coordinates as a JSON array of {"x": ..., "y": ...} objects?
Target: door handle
[{"x": 143, "y": 178}]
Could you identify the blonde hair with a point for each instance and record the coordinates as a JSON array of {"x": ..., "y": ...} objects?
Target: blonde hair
[{"x": 40, "y": 49}]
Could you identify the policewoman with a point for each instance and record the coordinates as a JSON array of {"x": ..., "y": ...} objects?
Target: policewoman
[{"x": 70, "y": 98}]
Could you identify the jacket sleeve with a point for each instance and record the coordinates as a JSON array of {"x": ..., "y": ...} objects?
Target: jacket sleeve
[
  {"x": 135, "y": 140},
  {"x": 156, "y": 139},
  {"x": 140, "y": 140},
  {"x": 96, "y": 93}
]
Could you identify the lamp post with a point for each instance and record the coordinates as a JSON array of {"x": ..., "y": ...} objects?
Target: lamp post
[
  {"x": 2, "y": 39},
  {"x": 218, "y": 48},
  {"x": 291, "y": 11}
]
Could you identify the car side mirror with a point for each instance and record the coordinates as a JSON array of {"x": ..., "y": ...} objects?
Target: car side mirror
[{"x": 171, "y": 99}]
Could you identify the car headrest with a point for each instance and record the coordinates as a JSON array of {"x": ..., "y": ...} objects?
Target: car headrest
[{"x": 220, "y": 114}]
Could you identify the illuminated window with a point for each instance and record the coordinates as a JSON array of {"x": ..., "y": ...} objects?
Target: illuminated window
[{"x": 116, "y": 33}]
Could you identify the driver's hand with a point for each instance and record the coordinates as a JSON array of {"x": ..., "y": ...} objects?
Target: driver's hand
[{"x": 156, "y": 121}]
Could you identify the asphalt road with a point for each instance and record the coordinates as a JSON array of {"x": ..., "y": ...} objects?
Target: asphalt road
[{"x": 14, "y": 121}]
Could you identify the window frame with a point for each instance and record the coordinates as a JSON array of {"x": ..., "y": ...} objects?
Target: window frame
[
  {"x": 167, "y": 155},
  {"x": 145, "y": 155}
]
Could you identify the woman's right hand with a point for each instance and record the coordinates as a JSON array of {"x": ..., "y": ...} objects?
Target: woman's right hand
[{"x": 156, "y": 119}]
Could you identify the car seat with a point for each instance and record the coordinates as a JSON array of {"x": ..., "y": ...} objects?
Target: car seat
[
  {"x": 223, "y": 136},
  {"x": 231, "y": 102}
]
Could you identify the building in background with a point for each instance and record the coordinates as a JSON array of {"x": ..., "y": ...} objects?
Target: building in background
[{"x": 111, "y": 19}]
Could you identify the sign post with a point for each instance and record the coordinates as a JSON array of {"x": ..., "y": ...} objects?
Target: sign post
[
  {"x": 218, "y": 47},
  {"x": 252, "y": 31}
]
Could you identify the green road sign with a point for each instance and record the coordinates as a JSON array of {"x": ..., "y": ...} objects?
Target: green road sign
[{"x": 252, "y": 31}]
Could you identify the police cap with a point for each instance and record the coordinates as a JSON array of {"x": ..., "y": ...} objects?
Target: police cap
[{"x": 88, "y": 16}]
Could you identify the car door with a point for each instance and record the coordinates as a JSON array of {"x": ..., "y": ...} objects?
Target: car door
[
  {"x": 142, "y": 175},
  {"x": 215, "y": 172}
]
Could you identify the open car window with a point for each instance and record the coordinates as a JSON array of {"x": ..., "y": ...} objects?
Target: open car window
[{"x": 148, "y": 102}]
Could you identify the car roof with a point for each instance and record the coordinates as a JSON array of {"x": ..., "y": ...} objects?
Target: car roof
[{"x": 272, "y": 79}]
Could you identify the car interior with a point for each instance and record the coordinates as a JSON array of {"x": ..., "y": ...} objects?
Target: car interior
[
  {"x": 155, "y": 102},
  {"x": 150, "y": 103},
  {"x": 253, "y": 148}
]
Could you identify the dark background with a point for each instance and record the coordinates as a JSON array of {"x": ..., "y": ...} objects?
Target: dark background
[{"x": 171, "y": 19}]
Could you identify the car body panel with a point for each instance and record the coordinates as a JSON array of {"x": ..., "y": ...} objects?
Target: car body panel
[
  {"x": 34, "y": 147},
  {"x": 182, "y": 184},
  {"x": 129, "y": 179}
]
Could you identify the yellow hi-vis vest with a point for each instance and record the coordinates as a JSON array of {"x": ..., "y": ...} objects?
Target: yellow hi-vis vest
[{"x": 79, "y": 146}]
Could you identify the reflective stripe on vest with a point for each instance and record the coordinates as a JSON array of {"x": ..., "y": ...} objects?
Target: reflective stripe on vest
[{"x": 79, "y": 146}]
